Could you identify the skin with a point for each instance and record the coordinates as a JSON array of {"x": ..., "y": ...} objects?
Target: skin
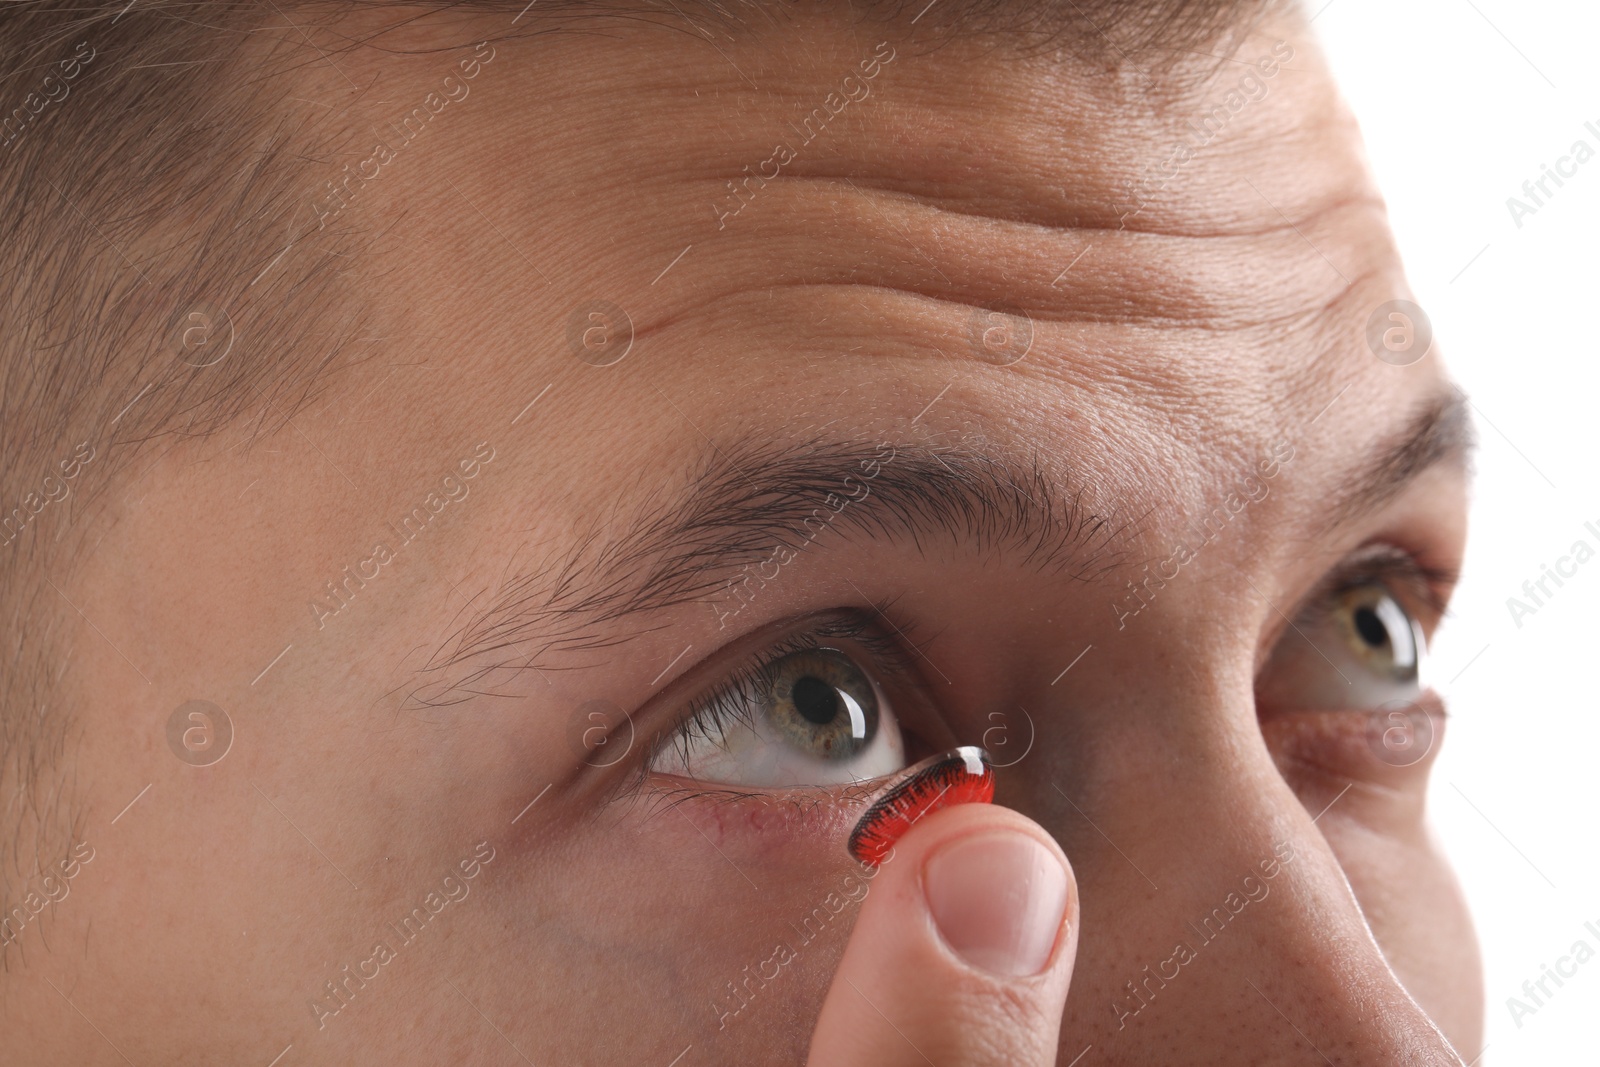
[{"x": 609, "y": 921}]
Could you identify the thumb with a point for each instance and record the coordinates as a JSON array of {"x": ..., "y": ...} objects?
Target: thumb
[{"x": 962, "y": 953}]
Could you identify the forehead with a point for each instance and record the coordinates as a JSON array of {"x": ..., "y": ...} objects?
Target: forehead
[{"x": 827, "y": 229}]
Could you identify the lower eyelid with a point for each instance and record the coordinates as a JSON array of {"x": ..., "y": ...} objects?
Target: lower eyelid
[
  {"x": 1369, "y": 748},
  {"x": 764, "y": 822}
]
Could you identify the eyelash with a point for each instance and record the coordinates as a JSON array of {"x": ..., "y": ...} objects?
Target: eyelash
[
  {"x": 714, "y": 712},
  {"x": 717, "y": 710},
  {"x": 1398, "y": 570}
]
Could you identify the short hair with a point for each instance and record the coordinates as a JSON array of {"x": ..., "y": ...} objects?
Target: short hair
[{"x": 151, "y": 196}]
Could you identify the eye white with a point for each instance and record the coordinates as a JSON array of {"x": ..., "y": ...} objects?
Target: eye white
[{"x": 751, "y": 753}]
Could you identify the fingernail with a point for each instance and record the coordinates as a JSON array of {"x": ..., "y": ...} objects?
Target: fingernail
[{"x": 998, "y": 900}]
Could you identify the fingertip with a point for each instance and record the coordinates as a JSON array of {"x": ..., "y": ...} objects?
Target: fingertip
[
  {"x": 1000, "y": 891},
  {"x": 965, "y": 943}
]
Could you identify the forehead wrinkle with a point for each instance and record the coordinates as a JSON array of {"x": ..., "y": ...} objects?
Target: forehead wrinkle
[
  {"x": 741, "y": 503},
  {"x": 835, "y": 261}
]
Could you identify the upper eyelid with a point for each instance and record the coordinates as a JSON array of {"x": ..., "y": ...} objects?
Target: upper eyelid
[
  {"x": 1422, "y": 590},
  {"x": 1394, "y": 567}
]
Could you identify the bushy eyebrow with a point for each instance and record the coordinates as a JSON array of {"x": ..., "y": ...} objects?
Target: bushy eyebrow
[
  {"x": 751, "y": 498},
  {"x": 1439, "y": 432},
  {"x": 744, "y": 503}
]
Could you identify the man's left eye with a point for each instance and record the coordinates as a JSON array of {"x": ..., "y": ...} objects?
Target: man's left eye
[
  {"x": 1357, "y": 646},
  {"x": 1379, "y": 633},
  {"x": 802, "y": 717}
]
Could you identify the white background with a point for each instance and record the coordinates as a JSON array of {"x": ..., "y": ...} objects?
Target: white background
[{"x": 1461, "y": 101}]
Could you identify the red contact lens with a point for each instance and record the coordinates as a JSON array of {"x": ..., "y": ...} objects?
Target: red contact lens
[{"x": 960, "y": 776}]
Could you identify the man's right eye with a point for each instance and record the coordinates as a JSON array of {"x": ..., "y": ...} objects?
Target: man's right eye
[{"x": 812, "y": 712}]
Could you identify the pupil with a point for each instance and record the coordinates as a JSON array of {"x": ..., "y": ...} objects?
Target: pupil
[
  {"x": 1371, "y": 628},
  {"x": 815, "y": 700}
]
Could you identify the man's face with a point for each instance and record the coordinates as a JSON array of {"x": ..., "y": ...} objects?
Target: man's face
[{"x": 974, "y": 395}]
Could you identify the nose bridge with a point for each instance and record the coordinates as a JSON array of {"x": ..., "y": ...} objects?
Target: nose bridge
[{"x": 1215, "y": 918}]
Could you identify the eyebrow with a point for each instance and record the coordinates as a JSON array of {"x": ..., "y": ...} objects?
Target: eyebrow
[
  {"x": 1438, "y": 433},
  {"x": 754, "y": 504},
  {"x": 748, "y": 507}
]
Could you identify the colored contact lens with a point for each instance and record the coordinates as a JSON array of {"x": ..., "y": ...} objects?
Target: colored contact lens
[{"x": 960, "y": 776}]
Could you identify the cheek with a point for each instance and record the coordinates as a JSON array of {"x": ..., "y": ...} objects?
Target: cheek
[
  {"x": 679, "y": 914},
  {"x": 1384, "y": 757},
  {"x": 1420, "y": 919},
  {"x": 1378, "y": 832},
  {"x": 787, "y": 832}
]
